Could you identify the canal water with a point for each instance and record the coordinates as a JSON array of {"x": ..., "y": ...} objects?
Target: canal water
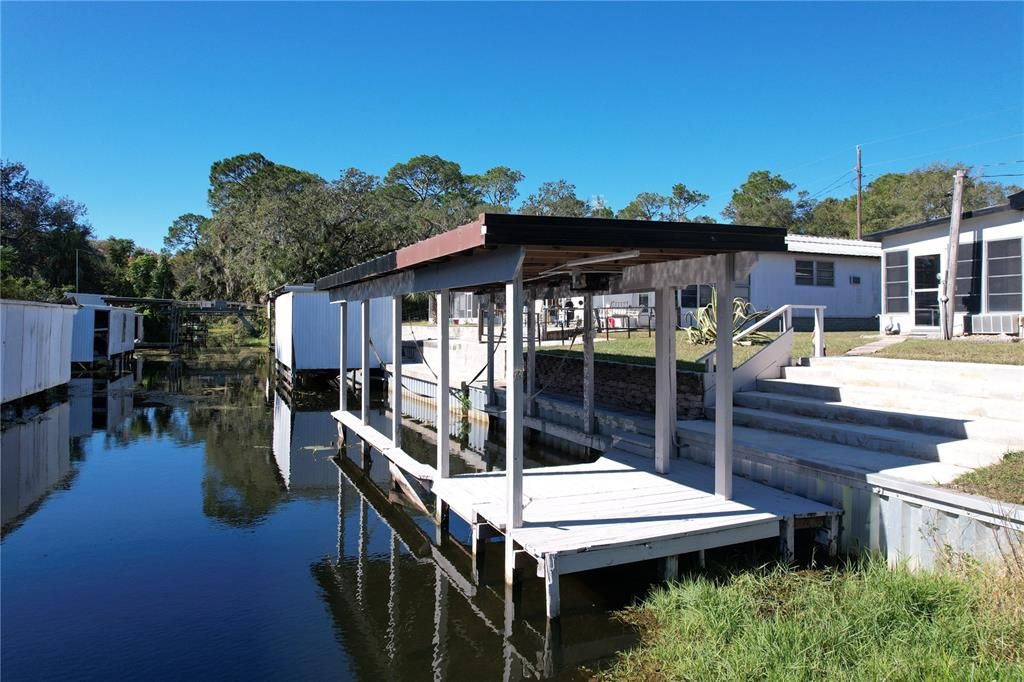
[{"x": 192, "y": 522}]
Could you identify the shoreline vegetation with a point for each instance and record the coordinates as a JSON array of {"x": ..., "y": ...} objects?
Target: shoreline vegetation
[
  {"x": 857, "y": 621},
  {"x": 1003, "y": 481}
]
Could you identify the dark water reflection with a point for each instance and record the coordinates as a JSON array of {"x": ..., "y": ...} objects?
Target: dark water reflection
[{"x": 146, "y": 536}]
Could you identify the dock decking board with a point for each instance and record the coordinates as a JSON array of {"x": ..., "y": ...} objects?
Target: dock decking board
[{"x": 611, "y": 511}]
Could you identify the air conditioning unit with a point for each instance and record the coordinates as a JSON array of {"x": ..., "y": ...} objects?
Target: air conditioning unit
[{"x": 1001, "y": 323}]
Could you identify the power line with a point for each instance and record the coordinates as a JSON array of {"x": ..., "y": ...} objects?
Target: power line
[
  {"x": 941, "y": 151},
  {"x": 942, "y": 125},
  {"x": 1003, "y": 175}
]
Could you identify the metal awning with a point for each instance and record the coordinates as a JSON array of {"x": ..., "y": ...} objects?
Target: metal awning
[{"x": 584, "y": 252}]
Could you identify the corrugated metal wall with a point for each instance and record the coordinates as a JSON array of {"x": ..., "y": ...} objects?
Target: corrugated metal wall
[
  {"x": 307, "y": 331},
  {"x": 36, "y": 354}
]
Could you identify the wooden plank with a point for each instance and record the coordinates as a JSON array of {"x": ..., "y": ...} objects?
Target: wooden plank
[
  {"x": 573, "y": 562},
  {"x": 382, "y": 443}
]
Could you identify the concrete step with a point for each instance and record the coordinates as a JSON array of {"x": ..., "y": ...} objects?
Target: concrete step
[
  {"x": 896, "y": 441},
  {"x": 755, "y": 444},
  {"x": 632, "y": 442},
  {"x": 889, "y": 398},
  {"x": 1004, "y": 432},
  {"x": 1004, "y": 383}
]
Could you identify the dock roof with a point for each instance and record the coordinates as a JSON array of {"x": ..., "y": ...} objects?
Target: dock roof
[{"x": 551, "y": 246}]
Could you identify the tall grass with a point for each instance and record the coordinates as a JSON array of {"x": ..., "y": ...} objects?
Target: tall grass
[{"x": 863, "y": 621}]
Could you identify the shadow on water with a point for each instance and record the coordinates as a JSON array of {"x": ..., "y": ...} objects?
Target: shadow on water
[{"x": 260, "y": 545}]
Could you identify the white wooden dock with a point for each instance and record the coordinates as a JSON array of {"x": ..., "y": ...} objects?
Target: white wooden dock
[{"x": 618, "y": 510}]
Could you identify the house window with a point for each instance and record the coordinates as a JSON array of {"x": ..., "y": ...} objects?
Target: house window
[
  {"x": 695, "y": 296},
  {"x": 897, "y": 283},
  {"x": 1004, "y": 276},
  {"x": 820, "y": 273},
  {"x": 644, "y": 300},
  {"x": 968, "y": 278}
]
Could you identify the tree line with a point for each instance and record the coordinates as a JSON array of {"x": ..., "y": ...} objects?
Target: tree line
[{"x": 268, "y": 223}]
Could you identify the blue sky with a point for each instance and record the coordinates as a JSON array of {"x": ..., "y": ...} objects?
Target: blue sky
[{"x": 125, "y": 106}]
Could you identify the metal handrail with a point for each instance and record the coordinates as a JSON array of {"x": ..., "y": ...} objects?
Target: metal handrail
[{"x": 786, "y": 312}]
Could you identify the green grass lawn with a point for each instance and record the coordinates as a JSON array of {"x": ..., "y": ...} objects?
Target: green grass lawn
[
  {"x": 860, "y": 622},
  {"x": 1003, "y": 481},
  {"x": 640, "y": 348},
  {"x": 961, "y": 350}
]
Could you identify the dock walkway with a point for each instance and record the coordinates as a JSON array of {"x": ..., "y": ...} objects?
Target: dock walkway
[{"x": 617, "y": 510}]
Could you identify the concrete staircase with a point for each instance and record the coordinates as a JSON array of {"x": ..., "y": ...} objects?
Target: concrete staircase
[{"x": 921, "y": 421}]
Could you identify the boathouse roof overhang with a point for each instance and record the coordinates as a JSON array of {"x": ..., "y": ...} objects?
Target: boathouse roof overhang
[{"x": 592, "y": 254}]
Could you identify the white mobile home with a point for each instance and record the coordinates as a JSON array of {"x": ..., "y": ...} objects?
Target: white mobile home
[
  {"x": 988, "y": 278},
  {"x": 307, "y": 328},
  {"x": 103, "y": 332},
  {"x": 841, "y": 274},
  {"x": 36, "y": 347}
]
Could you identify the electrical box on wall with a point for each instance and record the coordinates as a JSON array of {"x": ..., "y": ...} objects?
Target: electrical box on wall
[{"x": 854, "y": 279}]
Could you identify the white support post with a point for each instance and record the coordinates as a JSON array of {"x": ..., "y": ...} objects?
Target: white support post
[
  {"x": 819, "y": 333},
  {"x": 396, "y": 373},
  {"x": 665, "y": 379},
  {"x": 364, "y": 389},
  {"x": 531, "y": 354},
  {"x": 343, "y": 357},
  {"x": 588, "y": 363},
  {"x": 723, "y": 377},
  {"x": 490, "y": 348},
  {"x": 443, "y": 392},
  {"x": 551, "y": 587},
  {"x": 513, "y": 410}
]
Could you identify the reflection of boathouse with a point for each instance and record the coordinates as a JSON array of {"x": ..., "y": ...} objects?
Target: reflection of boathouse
[
  {"x": 304, "y": 444},
  {"x": 35, "y": 458}
]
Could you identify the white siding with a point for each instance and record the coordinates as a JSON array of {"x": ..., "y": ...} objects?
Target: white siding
[
  {"x": 36, "y": 347},
  {"x": 306, "y": 331},
  {"x": 81, "y": 344},
  {"x": 935, "y": 239},
  {"x": 773, "y": 284}
]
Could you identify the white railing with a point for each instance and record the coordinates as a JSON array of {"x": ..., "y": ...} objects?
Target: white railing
[{"x": 786, "y": 314}]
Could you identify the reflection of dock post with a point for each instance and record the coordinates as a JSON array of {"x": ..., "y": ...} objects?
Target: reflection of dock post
[
  {"x": 440, "y": 624},
  {"x": 392, "y": 643},
  {"x": 362, "y": 558},
  {"x": 552, "y": 648}
]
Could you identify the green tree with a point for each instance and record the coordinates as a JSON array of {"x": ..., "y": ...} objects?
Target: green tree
[
  {"x": 498, "y": 187},
  {"x": 556, "y": 198},
  {"x": 186, "y": 232},
  {"x": 675, "y": 207},
  {"x": 44, "y": 235},
  {"x": 762, "y": 200}
]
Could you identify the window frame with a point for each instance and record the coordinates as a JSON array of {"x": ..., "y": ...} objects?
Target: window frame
[
  {"x": 887, "y": 281},
  {"x": 989, "y": 277}
]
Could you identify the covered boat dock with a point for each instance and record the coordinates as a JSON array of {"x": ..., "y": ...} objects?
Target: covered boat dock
[{"x": 623, "y": 507}]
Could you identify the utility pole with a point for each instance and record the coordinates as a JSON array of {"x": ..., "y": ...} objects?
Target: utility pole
[
  {"x": 859, "y": 194},
  {"x": 948, "y": 300}
]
